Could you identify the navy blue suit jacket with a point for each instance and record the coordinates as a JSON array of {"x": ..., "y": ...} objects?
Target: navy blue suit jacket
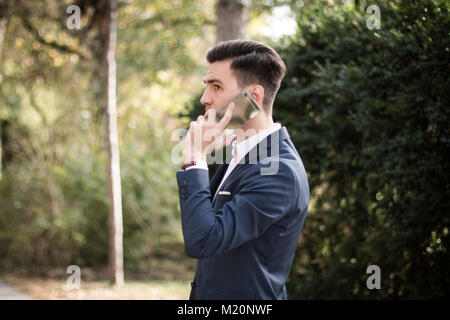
[{"x": 245, "y": 241}]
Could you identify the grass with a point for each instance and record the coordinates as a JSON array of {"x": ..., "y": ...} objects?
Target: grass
[
  {"x": 166, "y": 275},
  {"x": 53, "y": 289}
]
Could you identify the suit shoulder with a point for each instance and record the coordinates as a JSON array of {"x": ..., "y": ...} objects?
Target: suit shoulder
[{"x": 274, "y": 167}]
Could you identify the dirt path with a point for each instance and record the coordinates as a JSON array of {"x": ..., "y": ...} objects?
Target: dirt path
[{"x": 9, "y": 293}]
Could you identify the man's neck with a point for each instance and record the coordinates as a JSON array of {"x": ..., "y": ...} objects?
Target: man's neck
[{"x": 254, "y": 126}]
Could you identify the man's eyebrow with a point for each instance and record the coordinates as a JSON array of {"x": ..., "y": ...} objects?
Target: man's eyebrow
[{"x": 212, "y": 81}]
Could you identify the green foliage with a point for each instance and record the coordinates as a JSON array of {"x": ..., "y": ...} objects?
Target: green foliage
[
  {"x": 53, "y": 193},
  {"x": 369, "y": 113},
  {"x": 55, "y": 213},
  {"x": 159, "y": 30}
]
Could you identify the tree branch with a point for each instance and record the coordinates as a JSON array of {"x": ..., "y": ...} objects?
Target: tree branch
[{"x": 53, "y": 44}]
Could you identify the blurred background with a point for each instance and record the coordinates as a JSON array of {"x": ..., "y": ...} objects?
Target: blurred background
[{"x": 366, "y": 102}]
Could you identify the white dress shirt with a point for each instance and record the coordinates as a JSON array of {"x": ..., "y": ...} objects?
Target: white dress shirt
[{"x": 239, "y": 151}]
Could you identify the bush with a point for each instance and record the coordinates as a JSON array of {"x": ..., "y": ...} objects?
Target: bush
[
  {"x": 369, "y": 111},
  {"x": 54, "y": 211}
]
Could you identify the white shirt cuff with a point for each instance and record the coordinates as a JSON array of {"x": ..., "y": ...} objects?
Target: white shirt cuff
[{"x": 200, "y": 165}]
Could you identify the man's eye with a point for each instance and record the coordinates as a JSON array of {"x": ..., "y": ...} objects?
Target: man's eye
[{"x": 217, "y": 87}]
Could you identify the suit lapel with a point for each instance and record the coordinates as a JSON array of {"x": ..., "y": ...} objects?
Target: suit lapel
[
  {"x": 217, "y": 178},
  {"x": 257, "y": 153},
  {"x": 252, "y": 157},
  {"x": 218, "y": 175}
]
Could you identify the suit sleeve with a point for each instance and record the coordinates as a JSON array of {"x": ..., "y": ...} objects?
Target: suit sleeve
[{"x": 261, "y": 202}]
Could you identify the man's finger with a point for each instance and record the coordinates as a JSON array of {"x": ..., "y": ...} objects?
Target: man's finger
[
  {"x": 227, "y": 116},
  {"x": 210, "y": 116},
  {"x": 200, "y": 119}
]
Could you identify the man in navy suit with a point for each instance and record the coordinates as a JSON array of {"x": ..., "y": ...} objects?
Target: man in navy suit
[{"x": 244, "y": 225}]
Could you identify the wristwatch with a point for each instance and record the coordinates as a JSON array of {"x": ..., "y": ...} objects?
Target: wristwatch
[{"x": 187, "y": 165}]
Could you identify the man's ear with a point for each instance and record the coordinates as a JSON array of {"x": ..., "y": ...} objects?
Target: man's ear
[{"x": 257, "y": 93}]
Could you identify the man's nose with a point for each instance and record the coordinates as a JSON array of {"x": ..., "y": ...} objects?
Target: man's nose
[{"x": 205, "y": 99}]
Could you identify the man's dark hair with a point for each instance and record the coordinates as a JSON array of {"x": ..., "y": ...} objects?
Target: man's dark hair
[{"x": 252, "y": 63}]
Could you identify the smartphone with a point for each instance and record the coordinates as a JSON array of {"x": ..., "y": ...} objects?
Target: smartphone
[{"x": 245, "y": 109}]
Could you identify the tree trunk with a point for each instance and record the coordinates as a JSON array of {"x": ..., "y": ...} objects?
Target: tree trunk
[
  {"x": 115, "y": 208},
  {"x": 3, "y": 22},
  {"x": 3, "y": 123},
  {"x": 232, "y": 18}
]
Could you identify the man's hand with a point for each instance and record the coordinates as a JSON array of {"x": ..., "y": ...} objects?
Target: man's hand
[{"x": 205, "y": 135}]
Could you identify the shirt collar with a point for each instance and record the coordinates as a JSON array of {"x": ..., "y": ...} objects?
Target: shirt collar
[{"x": 244, "y": 147}]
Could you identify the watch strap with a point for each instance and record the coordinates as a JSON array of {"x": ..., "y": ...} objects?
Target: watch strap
[{"x": 187, "y": 165}]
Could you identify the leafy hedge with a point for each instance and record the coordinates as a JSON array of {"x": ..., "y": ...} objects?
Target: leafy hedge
[{"x": 369, "y": 113}]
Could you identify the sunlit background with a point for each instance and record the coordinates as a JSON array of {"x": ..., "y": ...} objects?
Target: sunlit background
[{"x": 367, "y": 109}]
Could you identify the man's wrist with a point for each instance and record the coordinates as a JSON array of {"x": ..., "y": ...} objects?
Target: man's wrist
[{"x": 194, "y": 158}]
